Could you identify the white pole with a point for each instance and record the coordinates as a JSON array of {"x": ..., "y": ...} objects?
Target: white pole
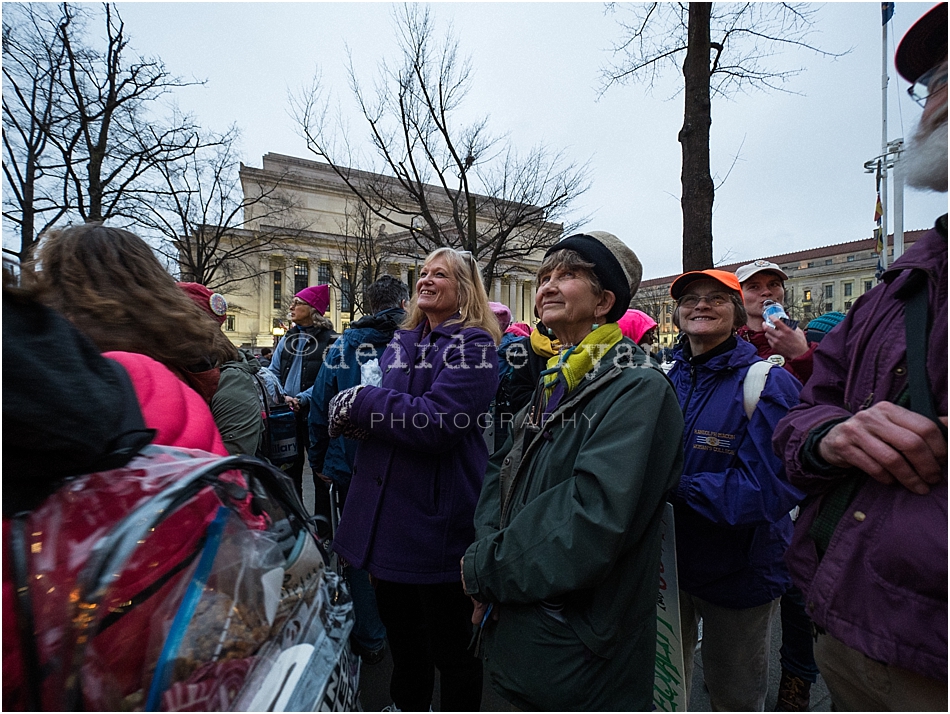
[
  {"x": 898, "y": 204},
  {"x": 884, "y": 144}
]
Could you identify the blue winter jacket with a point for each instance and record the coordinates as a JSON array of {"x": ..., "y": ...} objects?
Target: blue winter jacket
[
  {"x": 363, "y": 341},
  {"x": 732, "y": 504}
]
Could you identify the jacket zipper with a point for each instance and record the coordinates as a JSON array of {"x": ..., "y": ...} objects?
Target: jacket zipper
[{"x": 515, "y": 481}]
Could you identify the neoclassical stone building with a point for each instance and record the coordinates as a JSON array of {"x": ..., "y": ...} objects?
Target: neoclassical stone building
[{"x": 315, "y": 249}]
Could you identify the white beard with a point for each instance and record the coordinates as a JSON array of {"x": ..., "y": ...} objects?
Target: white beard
[{"x": 925, "y": 159}]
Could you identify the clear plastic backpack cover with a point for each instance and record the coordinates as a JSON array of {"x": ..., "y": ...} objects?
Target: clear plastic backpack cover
[{"x": 182, "y": 582}]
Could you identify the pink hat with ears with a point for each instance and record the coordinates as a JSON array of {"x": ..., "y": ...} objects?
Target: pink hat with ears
[
  {"x": 635, "y": 324},
  {"x": 316, "y": 296},
  {"x": 522, "y": 329}
]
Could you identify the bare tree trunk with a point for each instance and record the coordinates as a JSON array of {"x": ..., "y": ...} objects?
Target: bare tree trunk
[{"x": 698, "y": 190}]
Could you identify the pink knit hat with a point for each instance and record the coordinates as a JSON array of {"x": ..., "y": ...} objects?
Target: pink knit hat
[
  {"x": 316, "y": 296},
  {"x": 635, "y": 324},
  {"x": 522, "y": 329},
  {"x": 502, "y": 314},
  {"x": 212, "y": 303}
]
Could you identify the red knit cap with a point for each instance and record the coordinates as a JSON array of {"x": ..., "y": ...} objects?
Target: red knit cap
[{"x": 212, "y": 303}]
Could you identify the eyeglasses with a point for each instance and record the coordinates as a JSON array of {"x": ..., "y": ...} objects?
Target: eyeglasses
[
  {"x": 927, "y": 84},
  {"x": 713, "y": 300},
  {"x": 296, "y": 302}
]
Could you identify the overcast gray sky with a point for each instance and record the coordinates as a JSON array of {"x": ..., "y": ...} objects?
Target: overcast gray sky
[{"x": 798, "y": 182}]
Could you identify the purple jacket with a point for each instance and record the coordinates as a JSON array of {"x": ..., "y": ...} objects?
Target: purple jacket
[
  {"x": 410, "y": 508},
  {"x": 881, "y": 587}
]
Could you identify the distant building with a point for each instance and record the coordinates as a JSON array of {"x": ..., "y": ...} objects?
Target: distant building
[
  {"x": 820, "y": 280},
  {"x": 314, "y": 252}
]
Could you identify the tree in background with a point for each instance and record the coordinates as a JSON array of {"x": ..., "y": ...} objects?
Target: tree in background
[
  {"x": 721, "y": 48},
  {"x": 113, "y": 138},
  {"x": 443, "y": 183},
  {"x": 35, "y": 195},
  {"x": 365, "y": 250},
  {"x": 212, "y": 230},
  {"x": 652, "y": 300},
  {"x": 81, "y": 130}
]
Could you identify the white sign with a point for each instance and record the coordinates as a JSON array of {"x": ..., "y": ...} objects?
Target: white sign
[{"x": 669, "y": 688}]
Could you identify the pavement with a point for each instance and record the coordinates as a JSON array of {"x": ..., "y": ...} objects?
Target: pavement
[
  {"x": 374, "y": 679},
  {"x": 374, "y": 687}
]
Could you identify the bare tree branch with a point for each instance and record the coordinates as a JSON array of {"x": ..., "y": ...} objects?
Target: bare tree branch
[
  {"x": 720, "y": 48},
  {"x": 442, "y": 183},
  {"x": 366, "y": 250},
  {"x": 34, "y": 197},
  {"x": 213, "y": 230},
  {"x": 111, "y": 143}
]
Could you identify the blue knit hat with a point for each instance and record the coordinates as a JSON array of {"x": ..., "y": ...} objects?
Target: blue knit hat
[{"x": 822, "y": 325}]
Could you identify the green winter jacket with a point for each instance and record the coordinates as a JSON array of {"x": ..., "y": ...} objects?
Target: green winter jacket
[
  {"x": 567, "y": 541},
  {"x": 236, "y": 405}
]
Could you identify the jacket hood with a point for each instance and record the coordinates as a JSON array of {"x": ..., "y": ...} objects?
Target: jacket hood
[
  {"x": 386, "y": 321},
  {"x": 246, "y": 362},
  {"x": 508, "y": 338}
]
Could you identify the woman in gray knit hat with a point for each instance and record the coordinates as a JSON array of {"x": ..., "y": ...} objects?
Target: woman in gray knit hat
[{"x": 564, "y": 568}]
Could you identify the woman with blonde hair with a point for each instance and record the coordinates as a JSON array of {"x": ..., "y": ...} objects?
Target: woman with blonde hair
[
  {"x": 473, "y": 308},
  {"x": 417, "y": 476}
]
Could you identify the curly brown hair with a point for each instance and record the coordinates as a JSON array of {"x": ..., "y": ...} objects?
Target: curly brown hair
[{"x": 111, "y": 286}]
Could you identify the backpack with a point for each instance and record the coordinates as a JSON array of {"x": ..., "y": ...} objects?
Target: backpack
[
  {"x": 183, "y": 581},
  {"x": 753, "y": 384},
  {"x": 279, "y": 445}
]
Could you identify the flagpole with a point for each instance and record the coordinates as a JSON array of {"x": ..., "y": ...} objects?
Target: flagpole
[{"x": 884, "y": 140}]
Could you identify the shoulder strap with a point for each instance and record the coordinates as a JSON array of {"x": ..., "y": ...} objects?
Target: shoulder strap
[
  {"x": 753, "y": 384},
  {"x": 25, "y": 622},
  {"x": 917, "y": 335}
]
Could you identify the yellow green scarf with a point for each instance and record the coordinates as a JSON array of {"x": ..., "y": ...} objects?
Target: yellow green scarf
[
  {"x": 542, "y": 345},
  {"x": 577, "y": 362}
]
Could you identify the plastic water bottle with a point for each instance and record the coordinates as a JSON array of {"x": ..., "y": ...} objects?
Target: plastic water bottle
[{"x": 772, "y": 312}]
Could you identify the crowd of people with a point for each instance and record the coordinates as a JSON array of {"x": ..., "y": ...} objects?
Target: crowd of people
[{"x": 500, "y": 486}]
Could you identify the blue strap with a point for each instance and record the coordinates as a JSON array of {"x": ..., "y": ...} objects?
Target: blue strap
[{"x": 186, "y": 611}]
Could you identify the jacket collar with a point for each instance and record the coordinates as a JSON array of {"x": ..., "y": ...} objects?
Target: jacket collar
[
  {"x": 932, "y": 243},
  {"x": 744, "y": 353},
  {"x": 442, "y": 330},
  {"x": 383, "y": 320}
]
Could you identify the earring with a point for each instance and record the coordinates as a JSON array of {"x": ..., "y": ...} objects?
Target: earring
[
  {"x": 550, "y": 332},
  {"x": 594, "y": 326}
]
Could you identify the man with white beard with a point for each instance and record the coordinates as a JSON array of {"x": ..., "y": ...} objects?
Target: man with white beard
[{"x": 868, "y": 443}]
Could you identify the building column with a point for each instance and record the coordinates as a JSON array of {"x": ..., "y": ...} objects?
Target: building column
[
  {"x": 512, "y": 293},
  {"x": 404, "y": 273},
  {"x": 264, "y": 336},
  {"x": 522, "y": 304},
  {"x": 496, "y": 290},
  {"x": 527, "y": 312}
]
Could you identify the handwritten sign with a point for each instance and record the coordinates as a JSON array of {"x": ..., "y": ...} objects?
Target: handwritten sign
[{"x": 669, "y": 687}]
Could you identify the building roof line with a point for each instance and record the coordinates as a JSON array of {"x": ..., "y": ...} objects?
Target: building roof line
[{"x": 910, "y": 237}]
